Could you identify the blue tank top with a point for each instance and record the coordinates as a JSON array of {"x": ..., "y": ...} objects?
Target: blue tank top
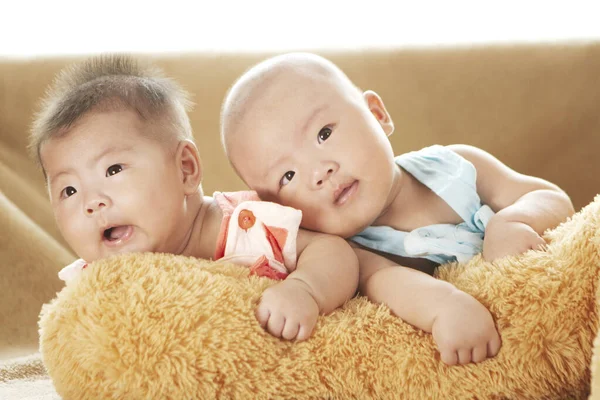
[{"x": 453, "y": 179}]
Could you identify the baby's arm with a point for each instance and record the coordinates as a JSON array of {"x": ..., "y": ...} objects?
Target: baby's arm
[
  {"x": 525, "y": 206},
  {"x": 462, "y": 328},
  {"x": 325, "y": 277}
]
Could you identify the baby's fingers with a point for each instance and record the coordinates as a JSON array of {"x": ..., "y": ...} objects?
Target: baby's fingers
[
  {"x": 449, "y": 357},
  {"x": 305, "y": 331},
  {"x": 290, "y": 330},
  {"x": 262, "y": 314},
  {"x": 276, "y": 324},
  {"x": 480, "y": 353},
  {"x": 464, "y": 356},
  {"x": 539, "y": 244},
  {"x": 493, "y": 346}
]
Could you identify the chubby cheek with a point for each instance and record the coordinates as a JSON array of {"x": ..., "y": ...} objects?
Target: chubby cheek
[
  {"x": 141, "y": 198},
  {"x": 316, "y": 215},
  {"x": 330, "y": 224},
  {"x": 317, "y": 219},
  {"x": 76, "y": 233},
  {"x": 344, "y": 223},
  {"x": 160, "y": 211},
  {"x": 66, "y": 222}
]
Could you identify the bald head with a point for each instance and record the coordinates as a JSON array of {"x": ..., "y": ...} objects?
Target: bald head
[{"x": 264, "y": 84}]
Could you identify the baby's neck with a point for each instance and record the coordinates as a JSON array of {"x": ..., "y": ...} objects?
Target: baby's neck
[
  {"x": 202, "y": 238},
  {"x": 399, "y": 195}
]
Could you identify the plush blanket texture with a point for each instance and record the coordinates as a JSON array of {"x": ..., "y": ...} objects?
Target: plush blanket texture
[{"x": 161, "y": 326}]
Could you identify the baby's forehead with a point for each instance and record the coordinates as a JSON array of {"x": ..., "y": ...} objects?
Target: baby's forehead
[
  {"x": 98, "y": 132},
  {"x": 269, "y": 101},
  {"x": 294, "y": 94},
  {"x": 307, "y": 81}
]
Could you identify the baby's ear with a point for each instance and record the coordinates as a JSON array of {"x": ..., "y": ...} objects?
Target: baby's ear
[
  {"x": 378, "y": 110},
  {"x": 188, "y": 160}
]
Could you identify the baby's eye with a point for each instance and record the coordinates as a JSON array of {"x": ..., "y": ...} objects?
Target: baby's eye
[
  {"x": 324, "y": 134},
  {"x": 287, "y": 177},
  {"x": 68, "y": 192},
  {"x": 114, "y": 169}
]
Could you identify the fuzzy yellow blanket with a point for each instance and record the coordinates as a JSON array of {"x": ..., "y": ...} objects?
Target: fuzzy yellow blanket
[{"x": 152, "y": 326}]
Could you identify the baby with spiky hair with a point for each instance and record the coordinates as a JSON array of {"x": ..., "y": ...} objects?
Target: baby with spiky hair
[{"x": 124, "y": 175}]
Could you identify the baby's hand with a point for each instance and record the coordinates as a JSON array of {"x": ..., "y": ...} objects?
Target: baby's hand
[
  {"x": 288, "y": 310},
  {"x": 464, "y": 330},
  {"x": 504, "y": 238}
]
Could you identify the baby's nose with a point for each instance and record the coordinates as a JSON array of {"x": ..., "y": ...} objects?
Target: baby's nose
[
  {"x": 95, "y": 206},
  {"x": 321, "y": 175},
  {"x": 324, "y": 178}
]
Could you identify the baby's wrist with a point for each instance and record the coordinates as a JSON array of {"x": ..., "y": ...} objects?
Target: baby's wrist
[
  {"x": 446, "y": 298},
  {"x": 510, "y": 214},
  {"x": 300, "y": 284}
]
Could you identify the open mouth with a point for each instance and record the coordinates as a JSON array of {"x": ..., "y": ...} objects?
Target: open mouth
[
  {"x": 344, "y": 193},
  {"x": 117, "y": 234}
]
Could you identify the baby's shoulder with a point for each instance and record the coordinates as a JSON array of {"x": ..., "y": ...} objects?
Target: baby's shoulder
[
  {"x": 479, "y": 158},
  {"x": 431, "y": 158},
  {"x": 465, "y": 150}
]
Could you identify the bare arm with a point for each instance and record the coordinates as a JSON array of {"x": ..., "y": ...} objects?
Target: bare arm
[
  {"x": 514, "y": 196},
  {"x": 325, "y": 277},
  {"x": 410, "y": 294},
  {"x": 328, "y": 267},
  {"x": 462, "y": 328},
  {"x": 525, "y": 206}
]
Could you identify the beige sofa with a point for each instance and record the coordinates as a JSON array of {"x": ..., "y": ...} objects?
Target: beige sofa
[{"x": 536, "y": 107}]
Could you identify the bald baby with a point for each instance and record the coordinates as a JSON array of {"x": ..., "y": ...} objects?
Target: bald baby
[
  {"x": 252, "y": 99},
  {"x": 301, "y": 134}
]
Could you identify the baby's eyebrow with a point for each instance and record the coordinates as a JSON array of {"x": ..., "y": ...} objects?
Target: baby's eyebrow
[
  {"x": 103, "y": 153},
  {"x": 270, "y": 166},
  {"x": 308, "y": 120},
  {"x": 108, "y": 150},
  {"x": 63, "y": 172}
]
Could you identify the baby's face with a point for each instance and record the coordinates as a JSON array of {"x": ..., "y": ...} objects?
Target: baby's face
[
  {"x": 316, "y": 145},
  {"x": 114, "y": 190}
]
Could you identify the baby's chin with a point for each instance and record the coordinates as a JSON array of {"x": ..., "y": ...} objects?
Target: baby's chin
[
  {"x": 107, "y": 253},
  {"x": 344, "y": 230}
]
